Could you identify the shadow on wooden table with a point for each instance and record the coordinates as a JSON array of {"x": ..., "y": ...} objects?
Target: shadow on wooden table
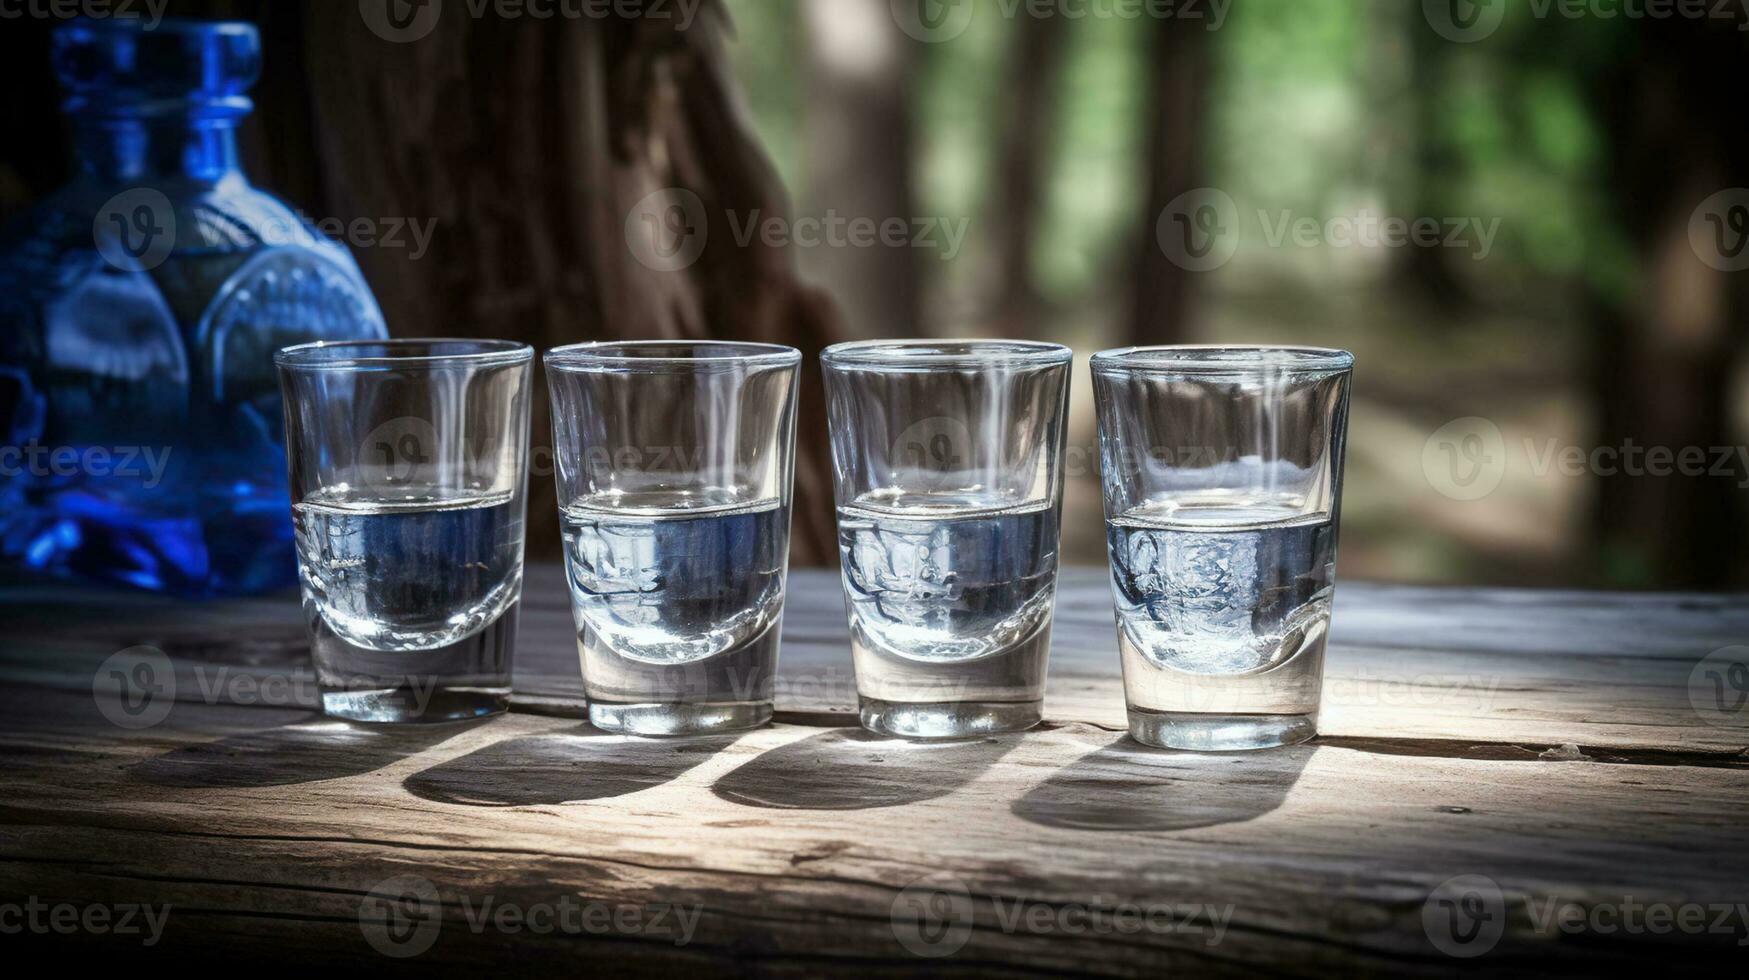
[
  {"x": 1126, "y": 786},
  {"x": 841, "y": 770},
  {"x": 303, "y": 752},
  {"x": 562, "y": 767}
]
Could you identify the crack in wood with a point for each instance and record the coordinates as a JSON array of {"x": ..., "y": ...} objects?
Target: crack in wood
[{"x": 1538, "y": 752}]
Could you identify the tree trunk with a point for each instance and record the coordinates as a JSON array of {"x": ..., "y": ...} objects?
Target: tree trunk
[
  {"x": 1435, "y": 169},
  {"x": 1178, "y": 82},
  {"x": 1665, "y": 356},
  {"x": 857, "y": 158},
  {"x": 529, "y": 142},
  {"x": 1023, "y": 154}
]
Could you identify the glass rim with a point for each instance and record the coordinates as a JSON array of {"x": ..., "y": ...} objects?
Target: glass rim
[
  {"x": 900, "y": 354},
  {"x": 1223, "y": 359},
  {"x": 322, "y": 355},
  {"x": 596, "y": 355}
]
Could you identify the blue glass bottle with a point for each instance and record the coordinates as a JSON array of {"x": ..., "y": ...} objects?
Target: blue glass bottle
[{"x": 140, "y": 431}]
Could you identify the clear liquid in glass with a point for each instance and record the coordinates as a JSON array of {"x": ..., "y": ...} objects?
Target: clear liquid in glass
[
  {"x": 678, "y": 602},
  {"x": 1222, "y": 613},
  {"x": 402, "y": 592},
  {"x": 949, "y": 600}
]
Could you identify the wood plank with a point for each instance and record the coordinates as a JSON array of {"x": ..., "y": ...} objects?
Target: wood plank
[
  {"x": 1513, "y": 667},
  {"x": 805, "y": 845},
  {"x": 267, "y": 830}
]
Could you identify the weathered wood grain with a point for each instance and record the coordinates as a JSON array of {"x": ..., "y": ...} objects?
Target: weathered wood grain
[
  {"x": 803, "y": 847},
  {"x": 1498, "y": 666}
]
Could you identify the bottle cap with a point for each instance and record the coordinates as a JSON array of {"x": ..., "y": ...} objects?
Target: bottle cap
[{"x": 120, "y": 67}]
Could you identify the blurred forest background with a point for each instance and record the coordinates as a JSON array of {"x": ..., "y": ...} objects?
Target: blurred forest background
[
  {"x": 1587, "y": 143},
  {"x": 1585, "y": 173}
]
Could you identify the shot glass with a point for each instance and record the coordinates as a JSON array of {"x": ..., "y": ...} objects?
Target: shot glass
[
  {"x": 674, "y": 463},
  {"x": 948, "y": 470},
  {"x": 408, "y": 463},
  {"x": 1222, "y": 472}
]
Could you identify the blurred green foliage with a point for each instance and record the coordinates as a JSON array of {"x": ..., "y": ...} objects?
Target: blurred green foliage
[
  {"x": 1320, "y": 109},
  {"x": 1334, "y": 109}
]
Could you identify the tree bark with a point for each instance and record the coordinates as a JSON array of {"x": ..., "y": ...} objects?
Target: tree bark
[
  {"x": 1664, "y": 358},
  {"x": 857, "y": 158},
  {"x": 1023, "y": 156},
  {"x": 528, "y": 142},
  {"x": 1161, "y": 291},
  {"x": 1434, "y": 163}
]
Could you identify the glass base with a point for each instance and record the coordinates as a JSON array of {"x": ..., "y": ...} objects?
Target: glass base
[
  {"x": 659, "y": 719},
  {"x": 1219, "y": 733},
  {"x": 953, "y": 719},
  {"x": 407, "y": 705}
]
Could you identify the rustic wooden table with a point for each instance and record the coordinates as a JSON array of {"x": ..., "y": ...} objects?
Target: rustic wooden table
[{"x": 1522, "y": 779}]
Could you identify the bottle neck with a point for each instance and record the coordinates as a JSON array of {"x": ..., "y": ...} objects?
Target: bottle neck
[{"x": 122, "y": 150}]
